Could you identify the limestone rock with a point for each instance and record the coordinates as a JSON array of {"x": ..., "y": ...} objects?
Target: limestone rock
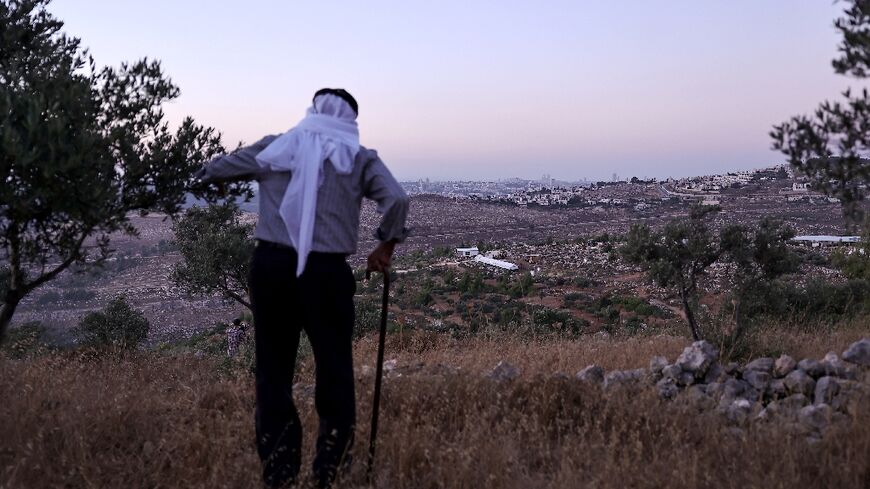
[
  {"x": 833, "y": 366},
  {"x": 697, "y": 396},
  {"x": 758, "y": 379},
  {"x": 826, "y": 388},
  {"x": 620, "y": 378},
  {"x": 734, "y": 388},
  {"x": 811, "y": 367},
  {"x": 656, "y": 364},
  {"x": 794, "y": 402},
  {"x": 715, "y": 373},
  {"x": 799, "y": 382},
  {"x": 592, "y": 374},
  {"x": 680, "y": 376},
  {"x": 504, "y": 371},
  {"x": 763, "y": 364},
  {"x": 697, "y": 358},
  {"x": 816, "y": 417},
  {"x": 671, "y": 372},
  {"x": 765, "y": 414},
  {"x": 858, "y": 353},
  {"x": 667, "y": 388},
  {"x": 686, "y": 378},
  {"x": 783, "y": 366},
  {"x": 776, "y": 389},
  {"x": 738, "y": 411},
  {"x": 850, "y": 394}
]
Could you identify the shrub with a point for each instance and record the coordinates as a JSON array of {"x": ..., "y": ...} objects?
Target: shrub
[
  {"x": 423, "y": 297},
  {"x": 117, "y": 325},
  {"x": 571, "y": 298},
  {"x": 584, "y": 282},
  {"x": 522, "y": 287},
  {"x": 367, "y": 318},
  {"x": 639, "y": 306},
  {"x": 545, "y": 320},
  {"x": 633, "y": 325},
  {"x": 25, "y": 341}
]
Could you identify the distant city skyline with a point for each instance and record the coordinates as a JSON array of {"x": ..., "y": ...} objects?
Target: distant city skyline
[{"x": 460, "y": 90}]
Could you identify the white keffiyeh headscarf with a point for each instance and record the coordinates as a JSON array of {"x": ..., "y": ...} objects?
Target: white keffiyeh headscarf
[{"x": 328, "y": 132}]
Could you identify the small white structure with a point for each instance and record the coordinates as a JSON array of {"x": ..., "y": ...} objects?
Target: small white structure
[
  {"x": 800, "y": 187},
  {"x": 496, "y": 263},
  {"x": 823, "y": 240},
  {"x": 467, "y": 252}
]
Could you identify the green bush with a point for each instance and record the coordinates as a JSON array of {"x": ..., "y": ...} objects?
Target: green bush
[
  {"x": 818, "y": 300},
  {"x": 25, "y": 341},
  {"x": 545, "y": 320},
  {"x": 423, "y": 297},
  {"x": 521, "y": 287},
  {"x": 368, "y": 316},
  {"x": 633, "y": 325},
  {"x": 118, "y": 325},
  {"x": 639, "y": 306},
  {"x": 584, "y": 282},
  {"x": 570, "y": 299},
  {"x": 79, "y": 295}
]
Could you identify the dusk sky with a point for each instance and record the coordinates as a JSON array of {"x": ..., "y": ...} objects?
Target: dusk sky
[{"x": 489, "y": 90}]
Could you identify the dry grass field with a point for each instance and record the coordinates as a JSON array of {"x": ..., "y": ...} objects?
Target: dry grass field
[{"x": 160, "y": 420}]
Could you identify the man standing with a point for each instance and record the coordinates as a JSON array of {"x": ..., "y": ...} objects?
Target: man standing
[{"x": 311, "y": 183}]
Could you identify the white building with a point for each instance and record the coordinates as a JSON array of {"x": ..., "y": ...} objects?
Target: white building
[
  {"x": 496, "y": 263},
  {"x": 467, "y": 252},
  {"x": 823, "y": 240},
  {"x": 800, "y": 187}
]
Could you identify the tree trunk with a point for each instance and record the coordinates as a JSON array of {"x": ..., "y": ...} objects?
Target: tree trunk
[
  {"x": 689, "y": 316},
  {"x": 6, "y": 313}
]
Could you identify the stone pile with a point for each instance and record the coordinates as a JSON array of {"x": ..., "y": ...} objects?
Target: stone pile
[{"x": 809, "y": 395}]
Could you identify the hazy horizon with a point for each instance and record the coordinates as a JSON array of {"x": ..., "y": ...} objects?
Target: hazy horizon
[{"x": 452, "y": 91}]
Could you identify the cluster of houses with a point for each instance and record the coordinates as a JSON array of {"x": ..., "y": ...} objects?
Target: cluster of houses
[
  {"x": 714, "y": 183},
  {"x": 545, "y": 196}
]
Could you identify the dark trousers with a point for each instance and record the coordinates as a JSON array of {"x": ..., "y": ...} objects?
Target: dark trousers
[{"x": 319, "y": 302}]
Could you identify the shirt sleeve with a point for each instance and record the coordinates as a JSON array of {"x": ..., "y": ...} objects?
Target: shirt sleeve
[
  {"x": 392, "y": 200},
  {"x": 238, "y": 165}
]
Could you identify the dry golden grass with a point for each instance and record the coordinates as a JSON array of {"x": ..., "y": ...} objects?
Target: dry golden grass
[{"x": 150, "y": 420}]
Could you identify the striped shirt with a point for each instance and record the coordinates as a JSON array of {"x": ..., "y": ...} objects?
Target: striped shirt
[{"x": 336, "y": 221}]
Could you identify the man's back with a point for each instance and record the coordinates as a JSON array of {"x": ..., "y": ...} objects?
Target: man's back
[{"x": 338, "y": 200}]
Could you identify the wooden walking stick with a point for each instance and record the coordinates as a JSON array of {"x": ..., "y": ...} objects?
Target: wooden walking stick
[{"x": 379, "y": 373}]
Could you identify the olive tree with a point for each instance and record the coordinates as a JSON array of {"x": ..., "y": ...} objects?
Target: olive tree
[
  {"x": 676, "y": 257},
  {"x": 758, "y": 255},
  {"x": 830, "y": 146},
  {"x": 81, "y": 149},
  {"x": 216, "y": 249}
]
